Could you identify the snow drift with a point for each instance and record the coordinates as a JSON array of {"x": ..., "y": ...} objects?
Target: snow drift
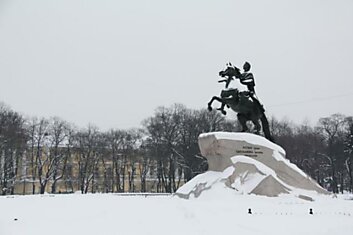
[{"x": 248, "y": 164}]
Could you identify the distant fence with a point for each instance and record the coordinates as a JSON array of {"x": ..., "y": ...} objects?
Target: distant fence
[{"x": 142, "y": 194}]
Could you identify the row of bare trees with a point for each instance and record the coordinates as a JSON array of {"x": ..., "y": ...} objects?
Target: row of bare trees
[
  {"x": 52, "y": 155},
  {"x": 81, "y": 159}
]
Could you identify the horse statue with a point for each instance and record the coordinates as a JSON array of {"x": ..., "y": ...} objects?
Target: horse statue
[{"x": 243, "y": 103}]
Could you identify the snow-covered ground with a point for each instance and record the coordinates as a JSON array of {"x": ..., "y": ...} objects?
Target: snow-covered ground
[{"x": 216, "y": 213}]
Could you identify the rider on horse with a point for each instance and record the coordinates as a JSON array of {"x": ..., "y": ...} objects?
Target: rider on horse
[
  {"x": 244, "y": 103},
  {"x": 246, "y": 78}
]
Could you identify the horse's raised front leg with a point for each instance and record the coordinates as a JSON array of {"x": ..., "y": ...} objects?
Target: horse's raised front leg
[
  {"x": 222, "y": 109},
  {"x": 211, "y": 101}
]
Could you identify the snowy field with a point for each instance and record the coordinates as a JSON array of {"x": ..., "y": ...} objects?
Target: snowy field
[{"x": 209, "y": 214}]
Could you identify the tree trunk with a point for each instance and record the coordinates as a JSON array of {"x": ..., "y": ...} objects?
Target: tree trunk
[
  {"x": 53, "y": 187},
  {"x": 42, "y": 188},
  {"x": 350, "y": 173}
]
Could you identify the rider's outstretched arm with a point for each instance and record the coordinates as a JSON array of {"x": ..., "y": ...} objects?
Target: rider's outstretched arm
[
  {"x": 227, "y": 81},
  {"x": 224, "y": 80}
]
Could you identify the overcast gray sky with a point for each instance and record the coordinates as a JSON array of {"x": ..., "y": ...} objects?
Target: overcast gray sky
[{"x": 112, "y": 63}]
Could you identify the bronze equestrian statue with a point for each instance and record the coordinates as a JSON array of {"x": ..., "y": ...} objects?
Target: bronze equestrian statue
[{"x": 245, "y": 103}]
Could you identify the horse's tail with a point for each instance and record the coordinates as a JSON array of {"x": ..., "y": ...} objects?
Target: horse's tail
[{"x": 266, "y": 127}]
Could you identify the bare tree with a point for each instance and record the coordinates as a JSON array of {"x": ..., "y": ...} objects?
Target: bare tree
[
  {"x": 41, "y": 155},
  {"x": 332, "y": 129},
  {"x": 144, "y": 165},
  {"x": 60, "y": 144},
  {"x": 31, "y": 152},
  {"x": 349, "y": 151},
  {"x": 163, "y": 131},
  {"x": 120, "y": 146},
  {"x": 12, "y": 146},
  {"x": 87, "y": 154}
]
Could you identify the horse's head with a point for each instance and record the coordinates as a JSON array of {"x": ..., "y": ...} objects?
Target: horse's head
[{"x": 230, "y": 71}]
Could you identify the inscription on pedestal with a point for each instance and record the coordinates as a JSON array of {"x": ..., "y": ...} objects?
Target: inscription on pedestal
[{"x": 249, "y": 151}]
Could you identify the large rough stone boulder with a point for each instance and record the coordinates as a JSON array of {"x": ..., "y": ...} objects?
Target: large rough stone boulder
[{"x": 248, "y": 164}]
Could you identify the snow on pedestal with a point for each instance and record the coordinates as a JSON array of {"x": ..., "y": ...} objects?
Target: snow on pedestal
[{"x": 245, "y": 163}]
